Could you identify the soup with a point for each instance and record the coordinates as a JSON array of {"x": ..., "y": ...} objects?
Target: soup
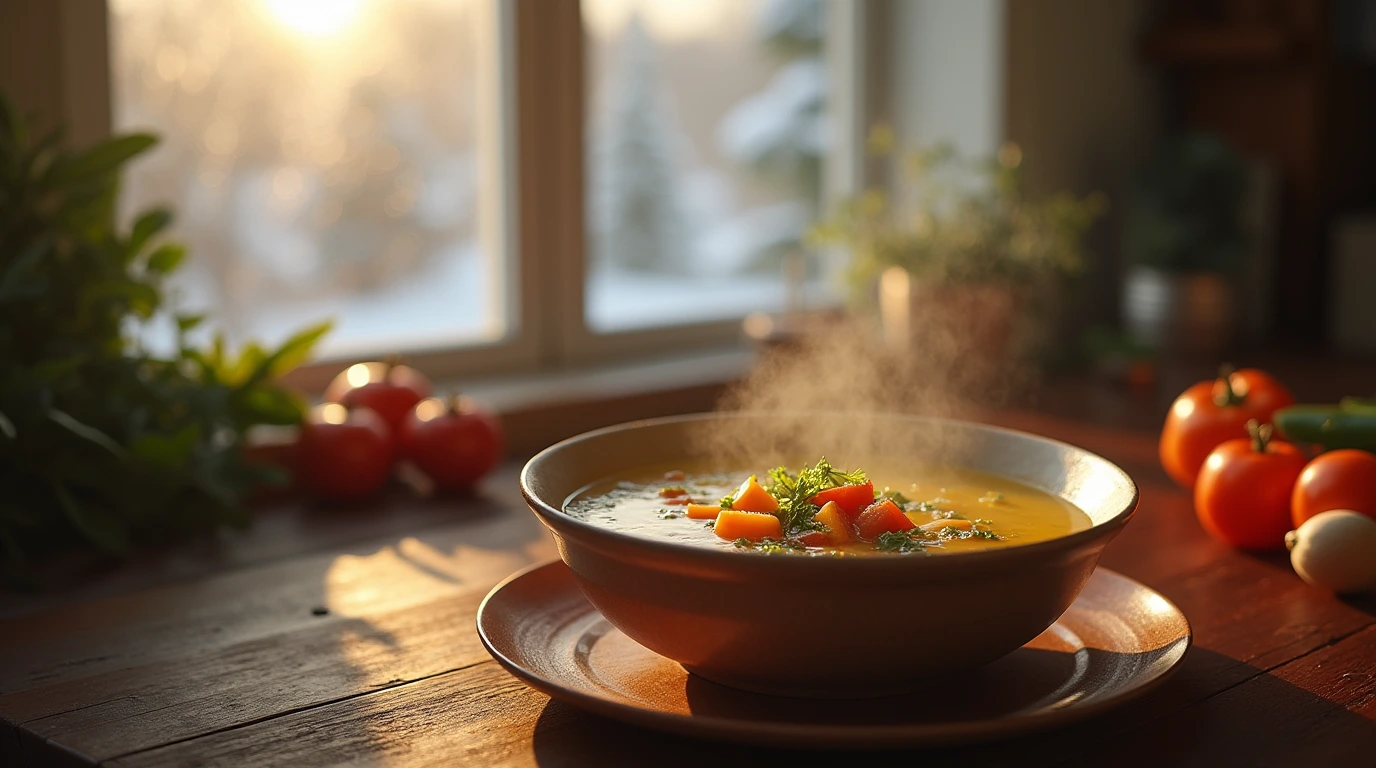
[{"x": 822, "y": 510}]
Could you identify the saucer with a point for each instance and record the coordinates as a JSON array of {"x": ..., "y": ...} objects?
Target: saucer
[{"x": 1116, "y": 642}]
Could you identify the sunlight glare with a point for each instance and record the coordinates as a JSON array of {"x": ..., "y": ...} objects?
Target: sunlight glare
[
  {"x": 430, "y": 408},
  {"x": 334, "y": 413},
  {"x": 315, "y": 18},
  {"x": 666, "y": 19},
  {"x": 358, "y": 375}
]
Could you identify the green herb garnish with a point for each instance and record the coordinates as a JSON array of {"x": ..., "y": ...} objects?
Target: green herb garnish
[
  {"x": 768, "y": 546},
  {"x": 894, "y": 541},
  {"x": 670, "y": 514},
  {"x": 897, "y": 496},
  {"x": 794, "y": 493}
]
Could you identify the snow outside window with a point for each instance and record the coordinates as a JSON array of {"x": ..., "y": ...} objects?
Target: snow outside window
[
  {"x": 322, "y": 156},
  {"x": 705, "y": 143}
]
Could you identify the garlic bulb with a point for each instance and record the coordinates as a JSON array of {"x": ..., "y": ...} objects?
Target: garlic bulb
[{"x": 1335, "y": 550}]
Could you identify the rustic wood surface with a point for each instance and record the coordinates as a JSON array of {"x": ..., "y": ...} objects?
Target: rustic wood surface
[{"x": 322, "y": 637}]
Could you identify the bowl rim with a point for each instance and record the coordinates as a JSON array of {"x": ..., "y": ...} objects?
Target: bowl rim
[{"x": 555, "y": 518}]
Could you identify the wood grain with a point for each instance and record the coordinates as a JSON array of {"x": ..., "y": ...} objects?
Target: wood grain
[{"x": 229, "y": 666}]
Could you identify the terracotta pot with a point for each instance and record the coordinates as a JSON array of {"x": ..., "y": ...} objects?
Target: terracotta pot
[
  {"x": 825, "y": 626},
  {"x": 1188, "y": 314}
]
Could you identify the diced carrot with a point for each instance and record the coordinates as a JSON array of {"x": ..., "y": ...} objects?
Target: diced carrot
[
  {"x": 753, "y": 526},
  {"x": 677, "y": 501},
  {"x": 672, "y": 491},
  {"x": 674, "y": 475},
  {"x": 936, "y": 525},
  {"x": 882, "y": 517},
  {"x": 752, "y": 497},
  {"x": 704, "y": 511},
  {"x": 834, "y": 518},
  {"x": 853, "y": 499}
]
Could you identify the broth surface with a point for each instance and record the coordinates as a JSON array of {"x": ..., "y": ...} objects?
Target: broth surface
[{"x": 1016, "y": 513}]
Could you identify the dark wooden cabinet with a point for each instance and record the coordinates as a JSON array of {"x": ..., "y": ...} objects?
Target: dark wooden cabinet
[{"x": 1282, "y": 82}]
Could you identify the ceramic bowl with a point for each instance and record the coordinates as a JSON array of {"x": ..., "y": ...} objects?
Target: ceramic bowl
[{"x": 827, "y": 626}]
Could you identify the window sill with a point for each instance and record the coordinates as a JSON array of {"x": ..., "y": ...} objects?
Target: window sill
[{"x": 538, "y": 410}]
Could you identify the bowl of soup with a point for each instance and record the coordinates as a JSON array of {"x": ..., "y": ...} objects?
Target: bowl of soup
[{"x": 820, "y": 567}]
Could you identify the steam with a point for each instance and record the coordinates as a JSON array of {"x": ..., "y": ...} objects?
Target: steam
[{"x": 947, "y": 352}]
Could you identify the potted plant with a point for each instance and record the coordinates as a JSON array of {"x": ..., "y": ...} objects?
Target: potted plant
[
  {"x": 102, "y": 441},
  {"x": 1184, "y": 238},
  {"x": 958, "y": 251}
]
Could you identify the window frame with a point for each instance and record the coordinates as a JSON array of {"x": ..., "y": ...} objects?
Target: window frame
[{"x": 534, "y": 225}]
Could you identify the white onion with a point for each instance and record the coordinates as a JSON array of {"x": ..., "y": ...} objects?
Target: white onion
[{"x": 1335, "y": 550}]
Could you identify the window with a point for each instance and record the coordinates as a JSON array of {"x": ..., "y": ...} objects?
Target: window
[
  {"x": 325, "y": 160},
  {"x": 706, "y": 134},
  {"x": 434, "y": 176}
]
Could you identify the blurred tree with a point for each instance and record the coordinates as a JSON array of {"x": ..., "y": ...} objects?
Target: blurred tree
[
  {"x": 781, "y": 131},
  {"x": 638, "y": 214}
]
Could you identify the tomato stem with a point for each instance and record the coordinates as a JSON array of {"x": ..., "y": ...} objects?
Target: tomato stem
[
  {"x": 1225, "y": 395},
  {"x": 1261, "y": 435}
]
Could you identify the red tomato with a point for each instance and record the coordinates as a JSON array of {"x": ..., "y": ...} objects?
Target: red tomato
[
  {"x": 391, "y": 390},
  {"x": 883, "y": 516},
  {"x": 1212, "y": 412},
  {"x": 344, "y": 453},
  {"x": 852, "y": 499},
  {"x": 1344, "y": 479},
  {"x": 1243, "y": 494},
  {"x": 454, "y": 443}
]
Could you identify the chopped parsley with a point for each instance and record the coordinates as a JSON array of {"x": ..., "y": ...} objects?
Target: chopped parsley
[
  {"x": 769, "y": 546},
  {"x": 794, "y": 493},
  {"x": 899, "y": 541},
  {"x": 897, "y": 496},
  {"x": 670, "y": 514}
]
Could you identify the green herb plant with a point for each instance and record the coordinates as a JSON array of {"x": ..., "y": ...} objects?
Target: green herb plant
[
  {"x": 794, "y": 492},
  {"x": 102, "y": 442},
  {"x": 957, "y": 220}
]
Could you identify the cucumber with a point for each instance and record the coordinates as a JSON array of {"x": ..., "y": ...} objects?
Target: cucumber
[{"x": 1330, "y": 426}]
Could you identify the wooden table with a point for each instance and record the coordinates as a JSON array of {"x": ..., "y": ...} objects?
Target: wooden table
[{"x": 324, "y": 637}]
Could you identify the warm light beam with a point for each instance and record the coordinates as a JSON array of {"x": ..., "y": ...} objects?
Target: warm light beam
[{"x": 314, "y": 18}]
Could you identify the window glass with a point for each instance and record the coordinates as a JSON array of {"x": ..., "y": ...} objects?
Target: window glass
[
  {"x": 323, "y": 160},
  {"x": 705, "y": 141}
]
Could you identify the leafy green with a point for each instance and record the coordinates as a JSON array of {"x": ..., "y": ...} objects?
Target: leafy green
[
  {"x": 101, "y": 441},
  {"x": 897, "y": 496},
  {"x": 769, "y": 546},
  {"x": 898, "y": 541},
  {"x": 794, "y": 492}
]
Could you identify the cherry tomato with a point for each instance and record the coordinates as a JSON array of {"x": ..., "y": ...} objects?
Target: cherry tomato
[
  {"x": 1211, "y": 412},
  {"x": 453, "y": 442},
  {"x": 344, "y": 453},
  {"x": 390, "y": 389},
  {"x": 1243, "y": 494},
  {"x": 1344, "y": 479}
]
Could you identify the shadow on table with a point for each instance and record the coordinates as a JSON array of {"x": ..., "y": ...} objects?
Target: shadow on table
[{"x": 1214, "y": 711}]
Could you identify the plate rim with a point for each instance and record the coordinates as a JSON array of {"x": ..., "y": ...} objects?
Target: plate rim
[{"x": 814, "y": 735}]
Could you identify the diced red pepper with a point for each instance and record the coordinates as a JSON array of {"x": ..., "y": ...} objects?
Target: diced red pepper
[
  {"x": 882, "y": 516},
  {"x": 852, "y": 499},
  {"x": 815, "y": 539}
]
